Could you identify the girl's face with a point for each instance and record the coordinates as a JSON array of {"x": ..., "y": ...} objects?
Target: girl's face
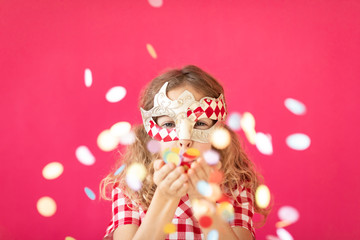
[{"x": 201, "y": 124}]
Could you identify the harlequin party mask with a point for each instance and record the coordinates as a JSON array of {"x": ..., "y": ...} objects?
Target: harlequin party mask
[{"x": 185, "y": 111}]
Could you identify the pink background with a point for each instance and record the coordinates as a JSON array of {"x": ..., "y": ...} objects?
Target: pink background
[{"x": 262, "y": 51}]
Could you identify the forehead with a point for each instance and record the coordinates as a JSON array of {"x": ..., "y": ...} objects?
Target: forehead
[{"x": 174, "y": 93}]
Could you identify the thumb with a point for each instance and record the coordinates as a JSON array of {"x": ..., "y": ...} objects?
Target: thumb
[{"x": 158, "y": 164}]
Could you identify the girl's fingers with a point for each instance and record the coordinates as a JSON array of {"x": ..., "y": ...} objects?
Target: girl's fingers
[
  {"x": 172, "y": 176},
  {"x": 161, "y": 174},
  {"x": 176, "y": 185},
  {"x": 158, "y": 164}
]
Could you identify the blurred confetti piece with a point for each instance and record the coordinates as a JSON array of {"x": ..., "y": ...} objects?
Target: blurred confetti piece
[
  {"x": 137, "y": 170},
  {"x": 115, "y": 94},
  {"x": 89, "y": 193},
  {"x": 298, "y": 141},
  {"x": 191, "y": 153},
  {"x": 282, "y": 224},
  {"x": 271, "y": 237},
  {"x": 211, "y": 156},
  {"x": 119, "y": 170},
  {"x": 213, "y": 235},
  {"x": 133, "y": 182},
  {"x": 173, "y": 158},
  {"x": 84, "y": 155},
  {"x": 295, "y": 106},
  {"x": 69, "y": 238},
  {"x": 289, "y": 214},
  {"x": 128, "y": 138},
  {"x": 216, "y": 177},
  {"x": 46, "y": 206},
  {"x": 205, "y": 221},
  {"x": 215, "y": 192},
  {"x": 156, "y": 3},
  {"x": 283, "y": 234},
  {"x": 153, "y": 146},
  {"x": 52, "y": 170},
  {"x": 220, "y": 138},
  {"x": 106, "y": 141},
  {"x": 262, "y": 196},
  {"x": 169, "y": 228},
  {"x": 263, "y": 143},
  {"x": 248, "y": 125},
  {"x": 151, "y": 50},
  {"x": 120, "y": 129},
  {"x": 226, "y": 211},
  {"x": 234, "y": 121},
  {"x": 88, "y": 77},
  {"x": 204, "y": 188}
]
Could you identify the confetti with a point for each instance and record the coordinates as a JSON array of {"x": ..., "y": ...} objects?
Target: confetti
[
  {"x": 289, "y": 214},
  {"x": 84, "y": 155},
  {"x": 151, "y": 50},
  {"x": 174, "y": 158},
  {"x": 106, "y": 141},
  {"x": 115, "y": 94},
  {"x": 191, "y": 153},
  {"x": 248, "y": 125},
  {"x": 89, "y": 193},
  {"x": 212, "y": 157},
  {"x": 46, "y": 206},
  {"x": 215, "y": 192},
  {"x": 120, "y": 129},
  {"x": 213, "y": 235},
  {"x": 128, "y": 138},
  {"x": 295, "y": 106},
  {"x": 204, "y": 188},
  {"x": 205, "y": 221},
  {"x": 282, "y": 224},
  {"x": 69, "y": 238},
  {"x": 263, "y": 143},
  {"x": 262, "y": 196},
  {"x": 202, "y": 207},
  {"x": 52, "y": 170},
  {"x": 133, "y": 182},
  {"x": 137, "y": 170},
  {"x": 216, "y": 177},
  {"x": 169, "y": 228},
  {"x": 156, "y": 3},
  {"x": 234, "y": 121},
  {"x": 298, "y": 141},
  {"x": 119, "y": 170},
  {"x": 271, "y": 237},
  {"x": 226, "y": 211},
  {"x": 283, "y": 234},
  {"x": 88, "y": 77},
  {"x": 153, "y": 146},
  {"x": 220, "y": 138}
]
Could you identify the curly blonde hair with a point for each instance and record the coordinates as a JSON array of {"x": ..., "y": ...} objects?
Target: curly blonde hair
[{"x": 237, "y": 168}]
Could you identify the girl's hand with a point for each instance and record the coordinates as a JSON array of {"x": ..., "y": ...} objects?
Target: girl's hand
[
  {"x": 170, "y": 180},
  {"x": 199, "y": 170}
]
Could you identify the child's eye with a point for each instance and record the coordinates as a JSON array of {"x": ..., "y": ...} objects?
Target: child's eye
[
  {"x": 168, "y": 125},
  {"x": 200, "y": 124}
]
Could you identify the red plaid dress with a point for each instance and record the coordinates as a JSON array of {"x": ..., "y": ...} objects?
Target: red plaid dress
[{"x": 186, "y": 224}]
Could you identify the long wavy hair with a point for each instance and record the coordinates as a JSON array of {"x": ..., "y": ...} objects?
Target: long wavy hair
[{"x": 237, "y": 168}]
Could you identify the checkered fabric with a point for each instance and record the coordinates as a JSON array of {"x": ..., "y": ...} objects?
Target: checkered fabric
[
  {"x": 210, "y": 108},
  {"x": 123, "y": 212}
]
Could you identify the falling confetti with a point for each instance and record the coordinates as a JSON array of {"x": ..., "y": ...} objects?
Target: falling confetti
[
  {"x": 120, "y": 129},
  {"x": 213, "y": 235},
  {"x": 226, "y": 211},
  {"x": 84, "y": 155},
  {"x": 119, "y": 170},
  {"x": 153, "y": 146},
  {"x": 289, "y": 214},
  {"x": 211, "y": 156},
  {"x": 248, "y": 126},
  {"x": 271, "y": 237},
  {"x": 282, "y": 224},
  {"x": 156, "y": 3},
  {"x": 201, "y": 207},
  {"x": 138, "y": 170},
  {"x": 89, "y": 193},
  {"x": 128, "y": 138},
  {"x": 220, "y": 138},
  {"x": 283, "y": 234},
  {"x": 263, "y": 143},
  {"x": 295, "y": 106},
  {"x": 151, "y": 50},
  {"x": 52, "y": 170},
  {"x": 69, "y": 238},
  {"x": 106, "y": 141},
  {"x": 262, "y": 196},
  {"x": 46, "y": 206},
  {"x": 298, "y": 141},
  {"x": 205, "y": 221},
  {"x": 115, "y": 94},
  {"x": 204, "y": 188},
  {"x": 216, "y": 177},
  {"x": 133, "y": 182},
  {"x": 169, "y": 228},
  {"x": 215, "y": 192},
  {"x": 88, "y": 77},
  {"x": 234, "y": 121}
]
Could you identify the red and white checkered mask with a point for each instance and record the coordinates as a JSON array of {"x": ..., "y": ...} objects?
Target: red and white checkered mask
[{"x": 185, "y": 112}]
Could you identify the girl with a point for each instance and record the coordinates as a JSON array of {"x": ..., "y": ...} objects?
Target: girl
[{"x": 182, "y": 108}]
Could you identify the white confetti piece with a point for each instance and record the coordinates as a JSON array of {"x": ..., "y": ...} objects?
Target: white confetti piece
[
  {"x": 46, "y": 206},
  {"x": 234, "y": 121},
  {"x": 156, "y": 3},
  {"x": 116, "y": 94},
  {"x": 88, "y": 77},
  {"x": 288, "y": 213},
  {"x": 52, "y": 170},
  {"x": 106, "y": 141},
  {"x": 283, "y": 234},
  {"x": 295, "y": 106},
  {"x": 84, "y": 155},
  {"x": 263, "y": 143},
  {"x": 262, "y": 196},
  {"x": 298, "y": 141}
]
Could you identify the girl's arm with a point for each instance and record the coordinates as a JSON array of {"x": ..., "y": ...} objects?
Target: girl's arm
[{"x": 171, "y": 186}]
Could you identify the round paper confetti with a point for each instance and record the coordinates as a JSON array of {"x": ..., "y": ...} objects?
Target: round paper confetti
[
  {"x": 175, "y": 150},
  {"x": 204, "y": 188},
  {"x": 137, "y": 170},
  {"x": 174, "y": 158},
  {"x": 234, "y": 121},
  {"x": 211, "y": 156},
  {"x": 283, "y": 234},
  {"x": 205, "y": 221},
  {"x": 248, "y": 125},
  {"x": 271, "y": 237},
  {"x": 288, "y": 213},
  {"x": 298, "y": 141},
  {"x": 133, "y": 182},
  {"x": 151, "y": 50},
  {"x": 88, "y": 77},
  {"x": 216, "y": 192},
  {"x": 282, "y": 224},
  {"x": 216, "y": 177},
  {"x": 106, "y": 141},
  {"x": 169, "y": 228},
  {"x": 89, "y": 193},
  {"x": 201, "y": 207},
  {"x": 220, "y": 138},
  {"x": 115, "y": 94},
  {"x": 226, "y": 211},
  {"x": 120, "y": 129},
  {"x": 52, "y": 170},
  {"x": 84, "y": 155},
  {"x": 128, "y": 138},
  {"x": 191, "y": 153},
  {"x": 262, "y": 196},
  {"x": 156, "y": 3},
  {"x": 153, "y": 146},
  {"x": 46, "y": 206},
  {"x": 119, "y": 170},
  {"x": 213, "y": 235},
  {"x": 69, "y": 238},
  {"x": 263, "y": 143},
  {"x": 295, "y": 106}
]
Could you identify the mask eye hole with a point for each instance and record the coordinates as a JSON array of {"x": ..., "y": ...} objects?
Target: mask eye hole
[
  {"x": 204, "y": 123},
  {"x": 164, "y": 121}
]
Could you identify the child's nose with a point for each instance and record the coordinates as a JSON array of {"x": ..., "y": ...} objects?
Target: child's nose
[{"x": 184, "y": 143}]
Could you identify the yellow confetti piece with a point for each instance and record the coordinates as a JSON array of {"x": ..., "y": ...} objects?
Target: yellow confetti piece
[
  {"x": 247, "y": 123},
  {"x": 169, "y": 228},
  {"x": 106, "y": 141},
  {"x": 282, "y": 224},
  {"x": 52, "y": 170},
  {"x": 46, "y": 206},
  {"x": 262, "y": 196},
  {"x": 220, "y": 138},
  {"x": 175, "y": 150},
  {"x": 137, "y": 170},
  {"x": 173, "y": 157},
  {"x": 151, "y": 50},
  {"x": 193, "y": 152},
  {"x": 69, "y": 238}
]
